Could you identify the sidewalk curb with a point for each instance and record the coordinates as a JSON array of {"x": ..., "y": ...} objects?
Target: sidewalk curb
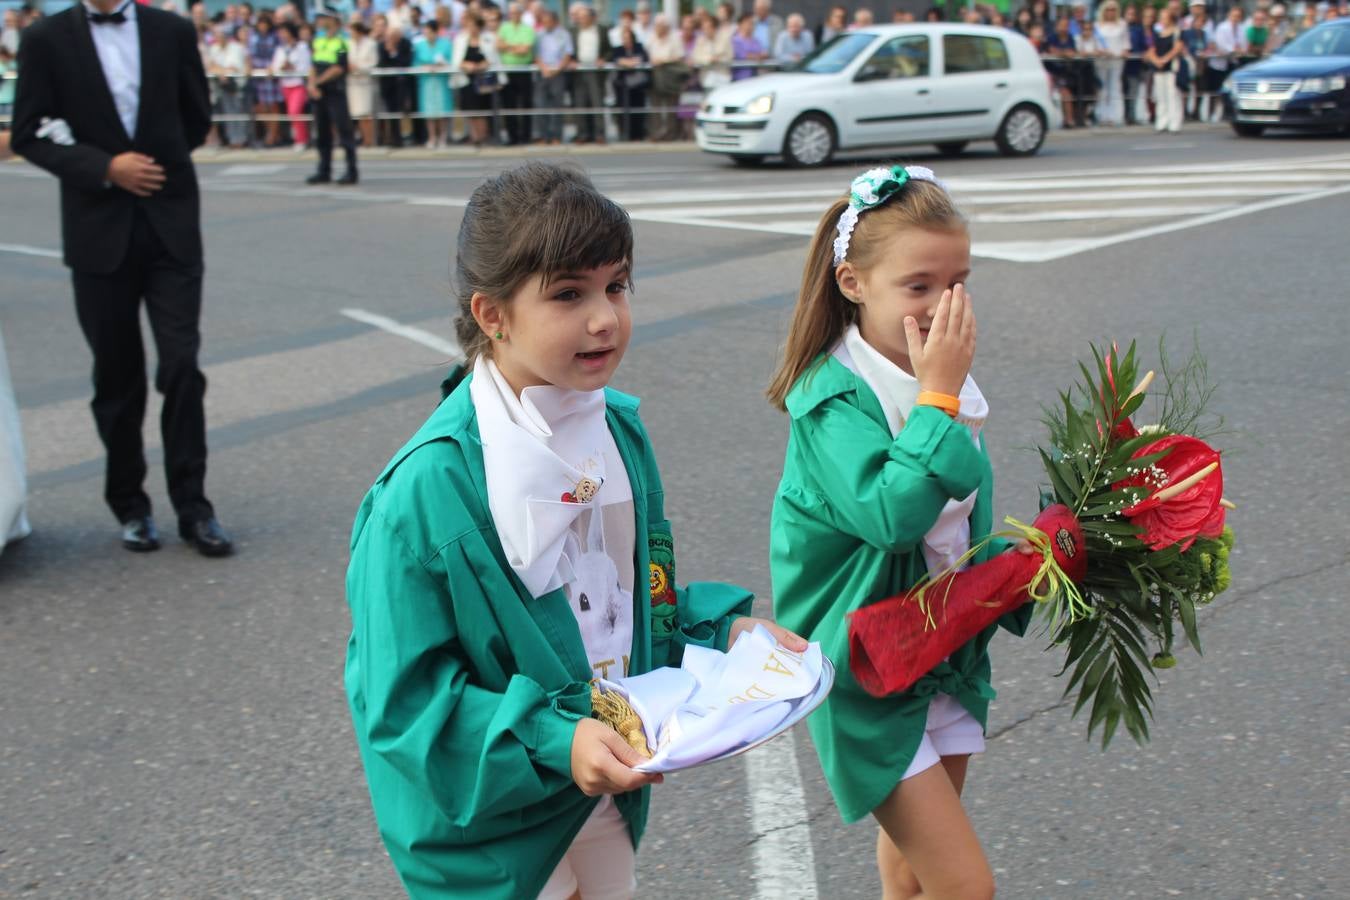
[
  {"x": 281, "y": 154},
  {"x": 211, "y": 155}
]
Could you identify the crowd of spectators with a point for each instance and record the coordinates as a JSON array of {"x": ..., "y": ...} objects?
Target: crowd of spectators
[
  {"x": 1140, "y": 63},
  {"x": 436, "y": 72}
]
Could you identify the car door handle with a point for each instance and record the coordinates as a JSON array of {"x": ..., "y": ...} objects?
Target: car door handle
[
  {"x": 923, "y": 91},
  {"x": 1000, "y": 85}
]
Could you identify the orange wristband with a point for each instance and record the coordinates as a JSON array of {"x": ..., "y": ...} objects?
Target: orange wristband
[{"x": 946, "y": 402}]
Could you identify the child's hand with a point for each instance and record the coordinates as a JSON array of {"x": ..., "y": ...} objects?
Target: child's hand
[
  {"x": 942, "y": 362},
  {"x": 602, "y": 761},
  {"x": 781, "y": 634}
]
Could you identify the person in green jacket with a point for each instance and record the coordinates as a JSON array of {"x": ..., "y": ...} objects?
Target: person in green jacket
[
  {"x": 886, "y": 478},
  {"x": 511, "y": 552}
]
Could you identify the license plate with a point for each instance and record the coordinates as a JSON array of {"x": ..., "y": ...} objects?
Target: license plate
[
  {"x": 1259, "y": 105},
  {"x": 715, "y": 127}
]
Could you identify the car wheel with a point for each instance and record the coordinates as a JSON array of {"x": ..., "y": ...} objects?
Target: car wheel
[
  {"x": 1021, "y": 132},
  {"x": 952, "y": 148},
  {"x": 747, "y": 160},
  {"x": 810, "y": 141},
  {"x": 1248, "y": 130}
]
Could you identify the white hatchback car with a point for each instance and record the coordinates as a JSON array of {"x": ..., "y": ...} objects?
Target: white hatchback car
[{"x": 947, "y": 84}]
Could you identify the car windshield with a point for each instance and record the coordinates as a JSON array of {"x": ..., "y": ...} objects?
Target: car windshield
[
  {"x": 1329, "y": 40},
  {"x": 835, "y": 54}
]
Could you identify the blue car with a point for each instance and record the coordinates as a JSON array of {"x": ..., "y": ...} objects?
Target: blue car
[{"x": 1303, "y": 85}]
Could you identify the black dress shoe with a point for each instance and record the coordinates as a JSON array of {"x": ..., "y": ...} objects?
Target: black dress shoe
[
  {"x": 207, "y": 537},
  {"x": 348, "y": 178},
  {"x": 140, "y": 535},
  {"x": 319, "y": 178}
]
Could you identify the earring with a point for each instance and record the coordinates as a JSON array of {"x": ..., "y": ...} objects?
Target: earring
[{"x": 498, "y": 335}]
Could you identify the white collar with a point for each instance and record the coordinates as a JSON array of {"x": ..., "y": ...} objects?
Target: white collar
[
  {"x": 127, "y": 9},
  {"x": 897, "y": 390},
  {"x": 542, "y": 450}
]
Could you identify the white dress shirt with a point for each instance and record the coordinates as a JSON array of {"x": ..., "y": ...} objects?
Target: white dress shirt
[
  {"x": 588, "y": 46},
  {"x": 119, "y": 52},
  {"x": 1228, "y": 39}
]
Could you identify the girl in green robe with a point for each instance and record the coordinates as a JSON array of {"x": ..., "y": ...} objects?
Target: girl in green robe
[
  {"x": 886, "y": 478},
  {"x": 512, "y": 551}
]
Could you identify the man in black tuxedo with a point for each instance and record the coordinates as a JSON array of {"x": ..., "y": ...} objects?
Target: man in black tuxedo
[{"x": 112, "y": 99}]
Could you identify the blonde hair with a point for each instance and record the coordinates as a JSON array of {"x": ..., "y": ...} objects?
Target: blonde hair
[{"x": 823, "y": 312}]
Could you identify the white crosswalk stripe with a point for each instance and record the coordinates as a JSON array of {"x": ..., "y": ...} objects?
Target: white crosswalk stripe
[
  {"x": 1018, "y": 216},
  {"x": 1036, "y": 217}
]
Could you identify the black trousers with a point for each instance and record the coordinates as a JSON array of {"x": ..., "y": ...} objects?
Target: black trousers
[
  {"x": 518, "y": 94},
  {"x": 108, "y": 308},
  {"x": 330, "y": 111}
]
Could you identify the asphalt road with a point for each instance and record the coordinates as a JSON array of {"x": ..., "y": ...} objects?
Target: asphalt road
[{"x": 172, "y": 726}]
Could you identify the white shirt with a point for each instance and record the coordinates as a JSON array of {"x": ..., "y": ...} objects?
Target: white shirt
[
  {"x": 666, "y": 49},
  {"x": 1228, "y": 38},
  {"x": 297, "y": 55},
  {"x": 1115, "y": 37},
  {"x": 588, "y": 45},
  {"x": 229, "y": 57},
  {"x": 119, "y": 53}
]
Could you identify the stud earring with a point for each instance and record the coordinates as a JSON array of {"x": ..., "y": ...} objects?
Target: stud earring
[{"x": 498, "y": 335}]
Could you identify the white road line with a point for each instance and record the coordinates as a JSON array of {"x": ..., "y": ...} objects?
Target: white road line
[
  {"x": 960, "y": 185},
  {"x": 714, "y": 196},
  {"x": 785, "y": 865},
  {"x": 1280, "y": 182},
  {"x": 412, "y": 333},
  {"x": 737, "y": 211},
  {"x": 1043, "y": 251},
  {"x": 1058, "y": 190},
  {"x": 30, "y": 251},
  {"x": 1163, "y": 145},
  {"x": 806, "y": 227},
  {"x": 1286, "y": 163},
  {"x": 1283, "y": 172},
  {"x": 729, "y": 209},
  {"x": 251, "y": 171},
  {"x": 1075, "y": 215},
  {"x": 457, "y": 202},
  {"x": 1160, "y": 191}
]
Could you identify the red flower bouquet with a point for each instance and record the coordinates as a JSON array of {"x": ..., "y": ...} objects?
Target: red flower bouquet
[{"x": 1131, "y": 540}]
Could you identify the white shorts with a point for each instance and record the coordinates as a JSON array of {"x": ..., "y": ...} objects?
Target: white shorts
[
  {"x": 951, "y": 731},
  {"x": 600, "y": 863}
]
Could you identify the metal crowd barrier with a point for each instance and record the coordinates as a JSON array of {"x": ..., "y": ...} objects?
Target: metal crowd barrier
[{"x": 1081, "y": 67}]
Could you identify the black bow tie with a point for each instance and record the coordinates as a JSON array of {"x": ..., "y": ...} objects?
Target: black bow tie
[{"x": 112, "y": 18}]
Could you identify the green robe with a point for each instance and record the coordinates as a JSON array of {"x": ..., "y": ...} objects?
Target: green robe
[
  {"x": 848, "y": 521},
  {"x": 465, "y": 691}
]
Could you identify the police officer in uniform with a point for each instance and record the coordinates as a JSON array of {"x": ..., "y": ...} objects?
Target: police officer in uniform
[{"x": 328, "y": 90}]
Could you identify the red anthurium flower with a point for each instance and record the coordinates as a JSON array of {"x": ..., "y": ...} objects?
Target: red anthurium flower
[{"x": 1168, "y": 516}]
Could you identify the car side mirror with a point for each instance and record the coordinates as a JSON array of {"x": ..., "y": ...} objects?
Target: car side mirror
[{"x": 872, "y": 73}]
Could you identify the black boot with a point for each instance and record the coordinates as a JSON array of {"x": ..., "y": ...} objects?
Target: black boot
[{"x": 319, "y": 178}]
